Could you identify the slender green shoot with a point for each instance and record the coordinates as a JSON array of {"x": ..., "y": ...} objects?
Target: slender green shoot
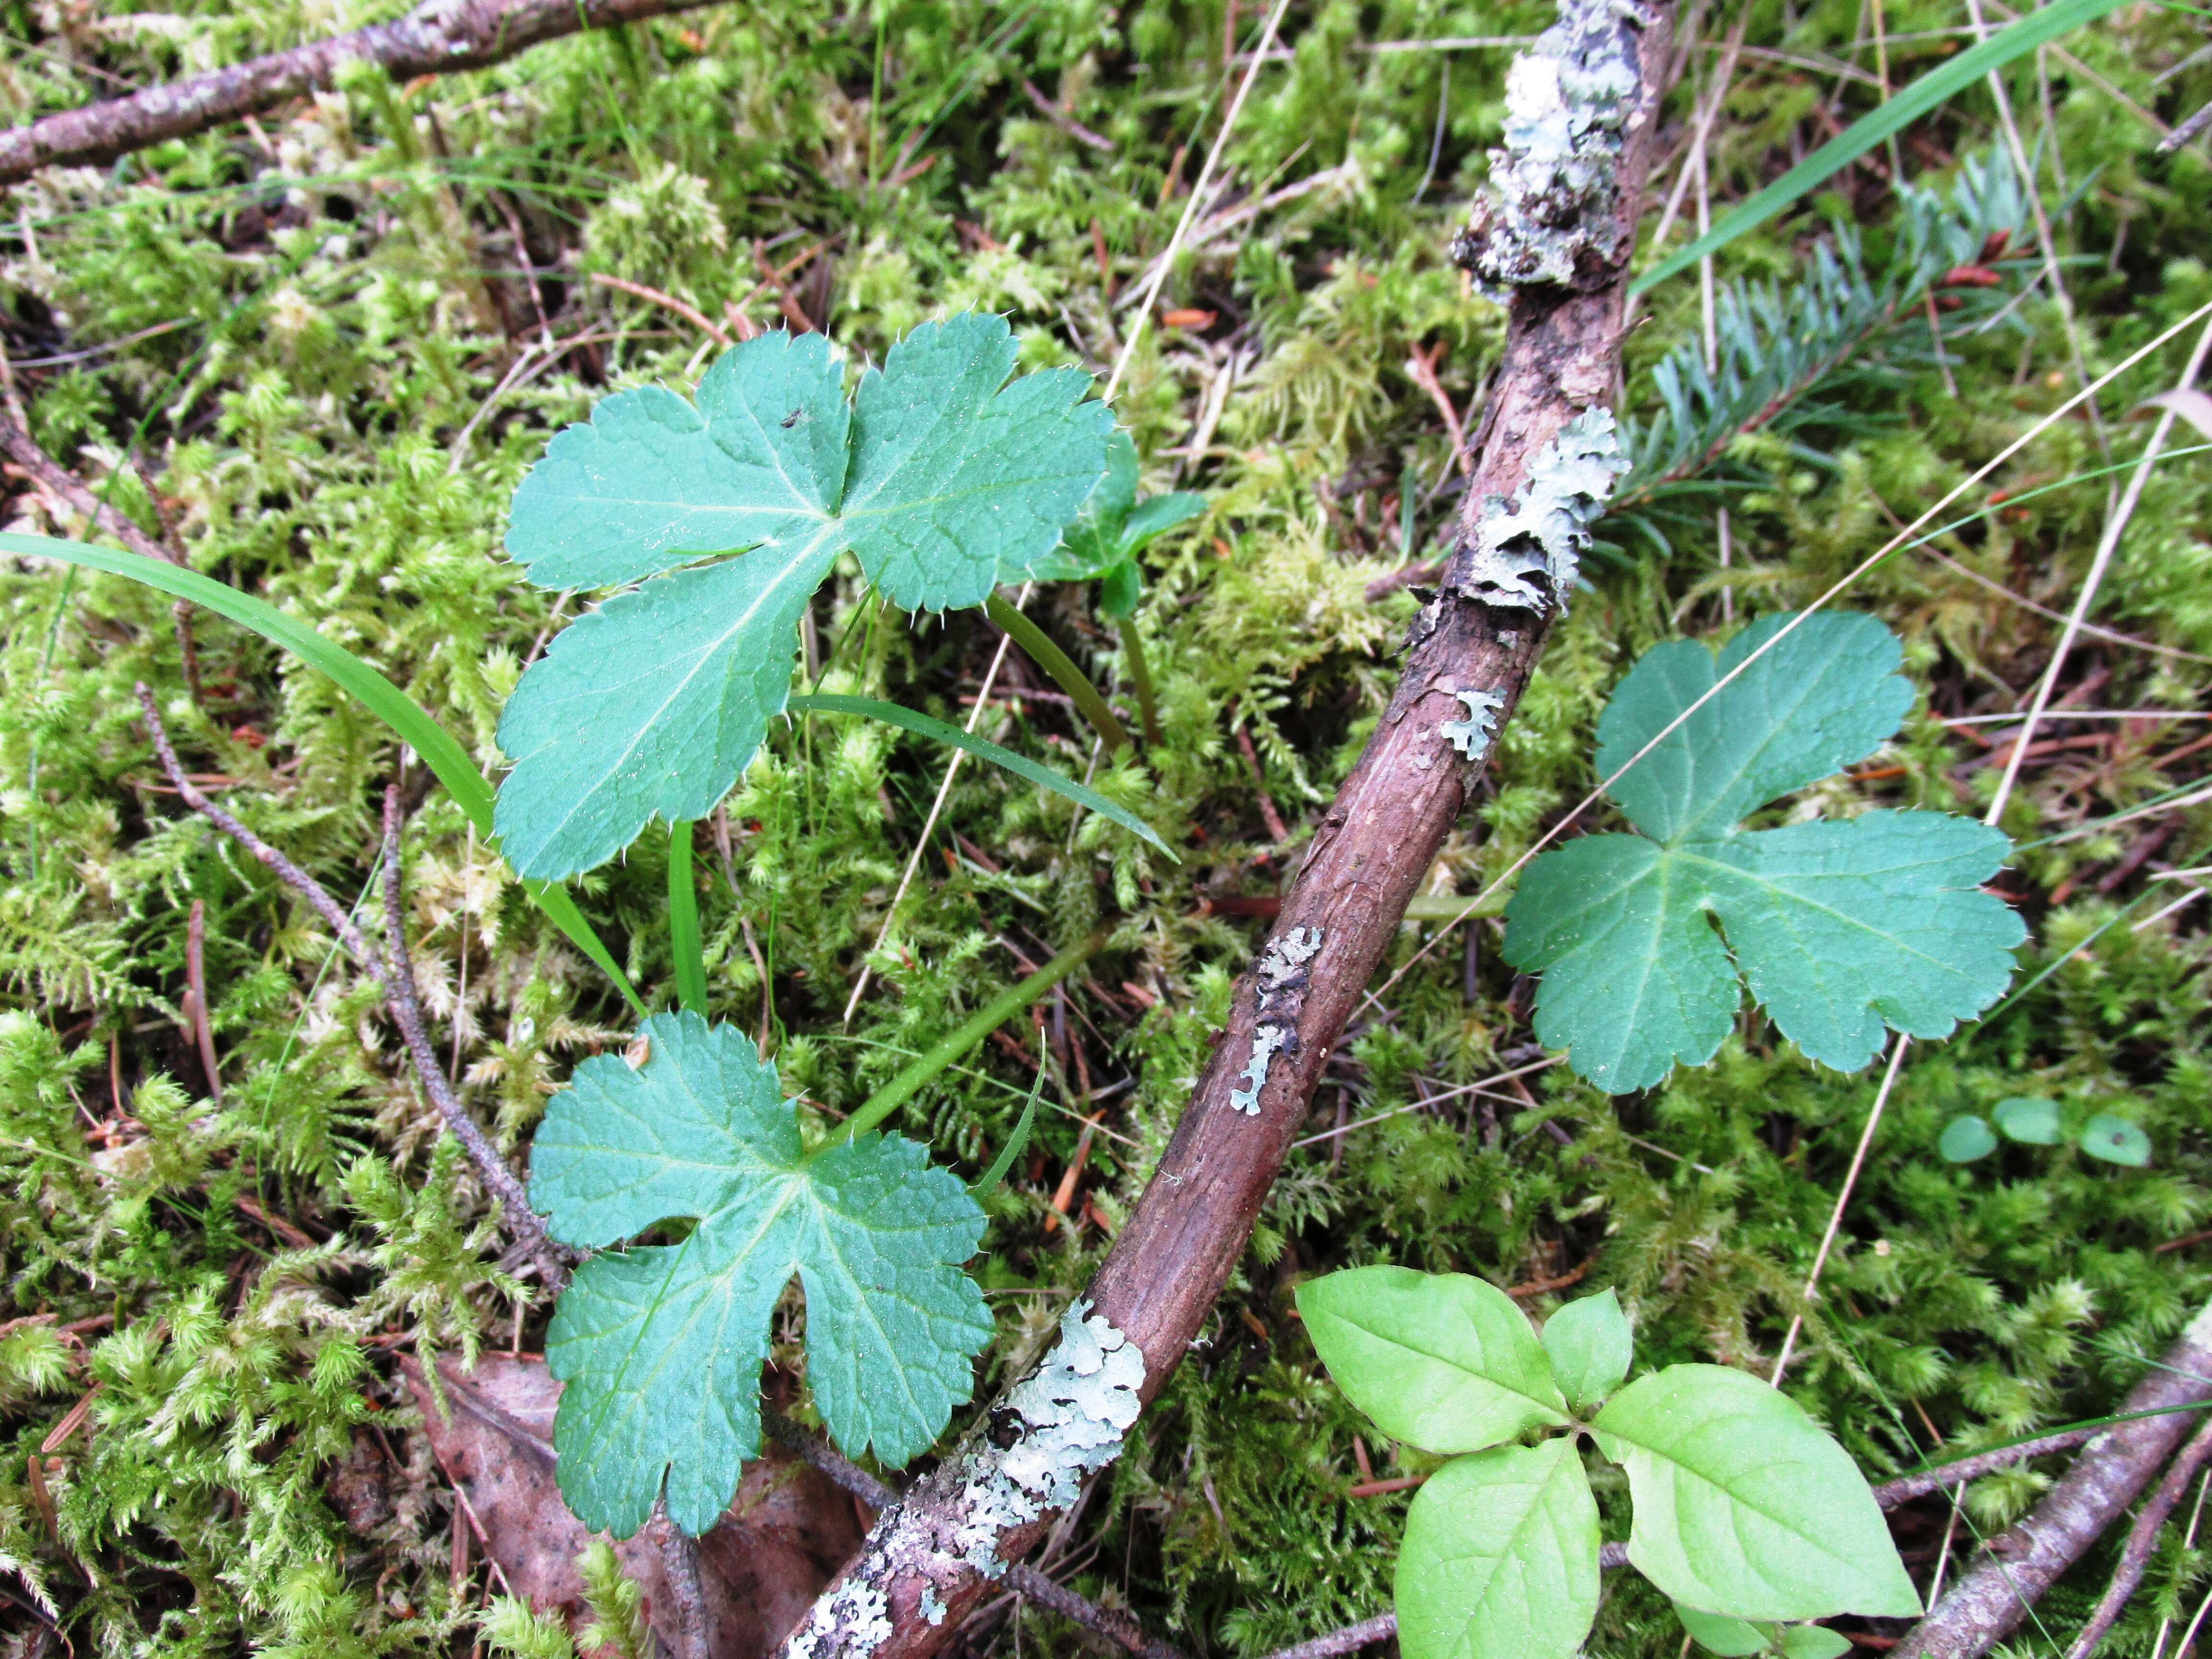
[
  {"x": 470, "y": 790},
  {"x": 2037, "y": 28},
  {"x": 1047, "y": 655},
  {"x": 922, "y": 725},
  {"x": 988, "y": 1183},
  {"x": 1141, "y": 678},
  {"x": 963, "y": 1037},
  {"x": 683, "y": 922}
]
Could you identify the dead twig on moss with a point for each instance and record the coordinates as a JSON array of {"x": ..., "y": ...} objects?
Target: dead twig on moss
[
  {"x": 393, "y": 975},
  {"x": 437, "y": 38},
  {"x": 2020, "y": 1563}
]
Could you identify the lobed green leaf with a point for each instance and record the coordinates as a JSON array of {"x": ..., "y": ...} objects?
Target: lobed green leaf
[{"x": 661, "y": 1345}]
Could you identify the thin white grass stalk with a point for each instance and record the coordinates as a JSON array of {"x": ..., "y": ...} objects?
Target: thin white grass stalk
[
  {"x": 2115, "y": 522},
  {"x": 936, "y": 808},
  {"x": 2188, "y": 1541},
  {"x": 1843, "y": 1198},
  {"x": 1197, "y": 195},
  {"x": 1474, "y": 1088},
  {"x": 2194, "y": 798},
  {"x": 1957, "y": 1497},
  {"x": 1902, "y": 538},
  {"x": 1698, "y": 135},
  {"x": 2034, "y": 191},
  {"x": 2162, "y": 914}
]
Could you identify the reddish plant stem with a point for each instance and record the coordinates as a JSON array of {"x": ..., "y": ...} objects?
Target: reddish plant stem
[{"x": 434, "y": 38}]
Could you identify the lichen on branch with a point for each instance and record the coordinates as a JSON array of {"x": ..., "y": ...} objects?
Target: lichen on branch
[{"x": 1552, "y": 213}]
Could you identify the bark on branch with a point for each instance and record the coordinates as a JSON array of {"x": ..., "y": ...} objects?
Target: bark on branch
[
  {"x": 2020, "y": 1563},
  {"x": 436, "y": 37},
  {"x": 1555, "y": 245}
]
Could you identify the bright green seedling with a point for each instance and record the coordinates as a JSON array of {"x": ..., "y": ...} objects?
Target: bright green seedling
[
  {"x": 1841, "y": 926},
  {"x": 1741, "y": 1638},
  {"x": 2033, "y": 1121},
  {"x": 1101, "y": 545},
  {"x": 661, "y": 1344},
  {"x": 939, "y": 474},
  {"x": 1744, "y": 1508}
]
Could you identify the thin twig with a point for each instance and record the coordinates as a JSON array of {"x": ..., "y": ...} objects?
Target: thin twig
[
  {"x": 2142, "y": 1541},
  {"x": 1067, "y": 123},
  {"x": 679, "y": 1564},
  {"x": 398, "y": 987},
  {"x": 434, "y": 38},
  {"x": 404, "y": 1000},
  {"x": 690, "y": 313},
  {"x": 196, "y": 997}
]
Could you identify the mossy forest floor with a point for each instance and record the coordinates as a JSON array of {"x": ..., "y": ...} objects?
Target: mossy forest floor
[{"x": 322, "y": 347}]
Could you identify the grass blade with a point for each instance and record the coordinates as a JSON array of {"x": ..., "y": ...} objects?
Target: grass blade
[
  {"x": 923, "y": 726},
  {"x": 988, "y": 1183},
  {"x": 444, "y": 756},
  {"x": 683, "y": 922},
  {"x": 963, "y": 1037},
  {"x": 1885, "y": 121}
]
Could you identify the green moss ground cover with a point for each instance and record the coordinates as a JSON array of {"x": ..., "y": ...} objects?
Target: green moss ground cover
[{"x": 336, "y": 340}]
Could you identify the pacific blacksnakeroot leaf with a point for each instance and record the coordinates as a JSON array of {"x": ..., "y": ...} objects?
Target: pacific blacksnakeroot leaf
[
  {"x": 1745, "y": 1510},
  {"x": 1841, "y": 927},
  {"x": 1113, "y": 527},
  {"x": 939, "y": 474},
  {"x": 661, "y": 1345}
]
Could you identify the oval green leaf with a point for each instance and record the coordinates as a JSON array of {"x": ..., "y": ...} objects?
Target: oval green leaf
[
  {"x": 1743, "y": 1505},
  {"x": 1500, "y": 1558},
  {"x": 1716, "y": 1632},
  {"x": 2115, "y": 1141},
  {"x": 1590, "y": 1344},
  {"x": 1813, "y": 1641},
  {"x": 1964, "y": 1140},
  {"x": 2028, "y": 1119},
  {"x": 1442, "y": 1361}
]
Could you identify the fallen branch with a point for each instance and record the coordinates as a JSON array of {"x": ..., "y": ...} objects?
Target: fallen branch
[
  {"x": 2142, "y": 1542},
  {"x": 1548, "y": 454},
  {"x": 1988, "y": 1604},
  {"x": 1022, "y": 1579},
  {"x": 436, "y": 37},
  {"x": 394, "y": 976}
]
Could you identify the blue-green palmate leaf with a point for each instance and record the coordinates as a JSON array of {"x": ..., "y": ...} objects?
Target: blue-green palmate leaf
[
  {"x": 939, "y": 473},
  {"x": 660, "y": 1345},
  {"x": 1841, "y": 928}
]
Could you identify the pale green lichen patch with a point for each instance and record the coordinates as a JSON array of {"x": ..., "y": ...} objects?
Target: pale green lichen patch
[
  {"x": 1057, "y": 1425},
  {"x": 1544, "y": 532},
  {"x": 1552, "y": 213},
  {"x": 1471, "y": 736}
]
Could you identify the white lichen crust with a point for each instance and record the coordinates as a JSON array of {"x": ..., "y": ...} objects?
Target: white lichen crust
[
  {"x": 1471, "y": 736},
  {"x": 1282, "y": 982},
  {"x": 857, "y": 1618},
  {"x": 1546, "y": 531},
  {"x": 1552, "y": 213},
  {"x": 1056, "y": 1426}
]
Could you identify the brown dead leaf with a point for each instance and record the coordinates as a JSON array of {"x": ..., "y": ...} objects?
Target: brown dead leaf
[{"x": 787, "y": 1531}]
